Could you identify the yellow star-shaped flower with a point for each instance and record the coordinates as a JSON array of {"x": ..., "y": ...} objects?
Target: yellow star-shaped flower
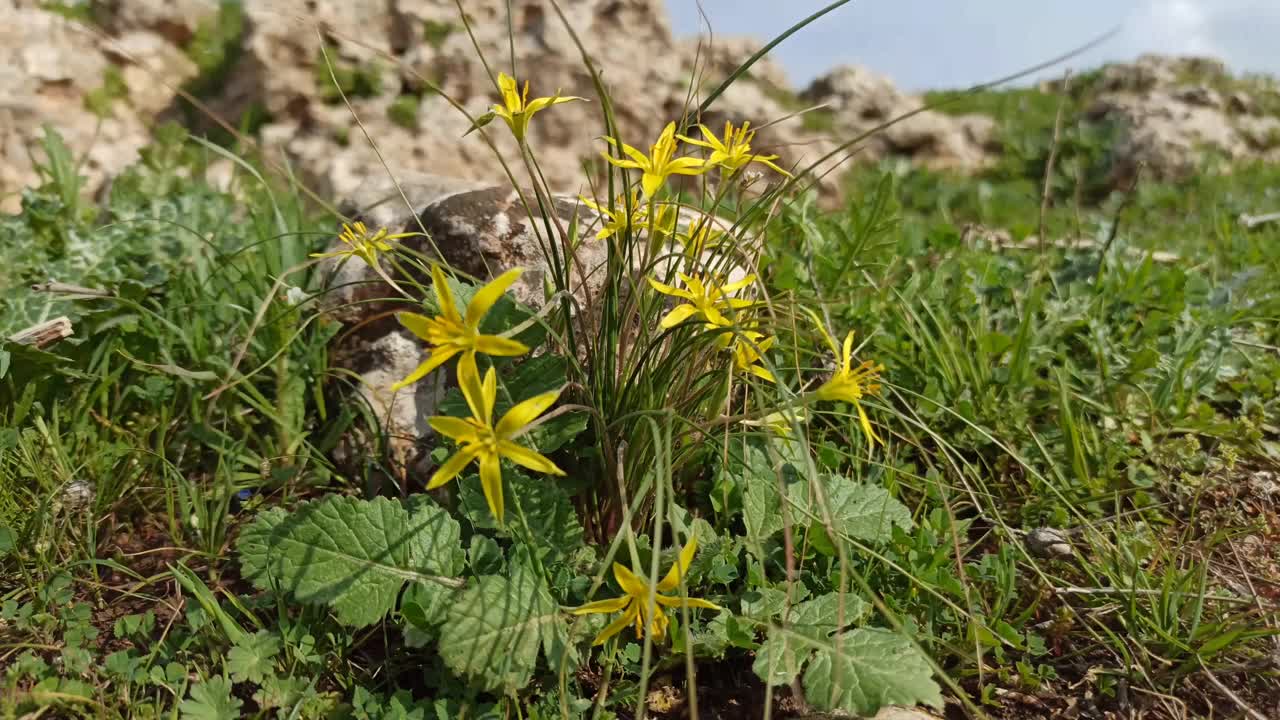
[
  {"x": 635, "y": 606},
  {"x": 706, "y": 299},
  {"x": 450, "y": 333},
  {"x": 659, "y": 164},
  {"x": 480, "y": 439}
]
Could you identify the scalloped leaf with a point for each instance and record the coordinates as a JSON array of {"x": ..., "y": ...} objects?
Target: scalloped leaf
[
  {"x": 352, "y": 554},
  {"x": 866, "y": 669},
  {"x": 494, "y": 631}
]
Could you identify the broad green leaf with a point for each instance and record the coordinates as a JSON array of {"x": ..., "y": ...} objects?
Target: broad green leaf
[
  {"x": 866, "y": 669},
  {"x": 253, "y": 658},
  {"x": 810, "y": 623},
  {"x": 536, "y": 506},
  {"x": 859, "y": 511},
  {"x": 494, "y": 630},
  {"x": 211, "y": 700},
  {"x": 353, "y": 554}
]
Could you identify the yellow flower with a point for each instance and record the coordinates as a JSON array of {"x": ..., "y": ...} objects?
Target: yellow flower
[
  {"x": 700, "y": 238},
  {"x": 782, "y": 422},
  {"x": 661, "y": 162},
  {"x": 635, "y": 605},
  {"x": 517, "y": 109},
  {"x": 747, "y": 351},
  {"x": 488, "y": 443},
  {"x": 734, "y": 151},
  {"x": 850, "y": 383},
  {"x": 450, "y": 333},
  {"x": 706, "y": 300},
  {"x": 361, "y": 244},
  {"x": 617, "y": 221}
]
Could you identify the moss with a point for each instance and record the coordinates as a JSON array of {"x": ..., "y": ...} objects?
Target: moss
[
  {"x": 77, "y": 10},
  {"x": 214, "y": 48},
  {"x": 434, "y": 33},
  {"x": 353, "y": 80},
  {"x": 101, "y": 100},
  {"x": 403, "y": 111}
]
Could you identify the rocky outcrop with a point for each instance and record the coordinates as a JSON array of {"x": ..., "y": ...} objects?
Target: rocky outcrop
[
  {"x": 1170, "y": 111},
  {"x": 410, "y": 70},
  {"x": 100, "y": 95}
]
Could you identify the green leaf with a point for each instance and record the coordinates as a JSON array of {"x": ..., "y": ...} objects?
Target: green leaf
[
  {"x": 353, "y": 554},
  {"x": 784, "y": 653},
  {"x": 867, "y": 669},
  {"x": 545, "y": 515},
  {"x": 211, "y": 700},
  {"x": 859, "y": 511},
  {"x": 253, "y": 658},
  {"x": 496, "y": 627}
]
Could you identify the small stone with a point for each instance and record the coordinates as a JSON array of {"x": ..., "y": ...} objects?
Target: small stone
[{"x": 1048, "y": 542}]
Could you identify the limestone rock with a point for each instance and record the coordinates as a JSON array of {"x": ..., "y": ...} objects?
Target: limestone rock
[
  {"x": 1171, "y": 110},
  {"x": 48, "y": 83},
  {"x": 861, "y": 100}
]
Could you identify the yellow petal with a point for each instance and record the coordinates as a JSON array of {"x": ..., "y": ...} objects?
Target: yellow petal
[
  {"x": 415, "y": 323},
  {"x": 472, "y": 389},
  {"x": 496, "y": 345},
  {"x": 439, "y": 355},
  {"x": 669, "y": 290},
  {"x": 651, "y": 182},
  {"x": 524, "y": 413},
  {"x": 687, "y": 602},
  {"x": 451, "y": 467},
  {"x": 616, "y": 626},
  {"x": 847, "y": 357},
  {"x": 736, "y": 286},
  {"x": 612, "y": 605},
  {"x": 677, "y": 315},
  {"x": 491, "y": 483},
  {"x": 510, "y": 91},
  {"x": 681, "y": 566},
  {"x": 831, "y": 343},
  {"x": 762, "y": 373},
  {"x": 686, "y": 166},
  {"x": 454, "y": 428},
  {"x": 628, "y": 581},
  {"x": 444, "y": 296},
  {"x": 872, "y": 438},
  {"x": 486, "y": 296},
  {"x": 527, "y": 458}
]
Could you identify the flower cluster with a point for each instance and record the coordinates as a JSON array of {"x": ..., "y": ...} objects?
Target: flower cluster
[
  {"x": 701, "y": 299},
  {"x": 452, "y": 333}
]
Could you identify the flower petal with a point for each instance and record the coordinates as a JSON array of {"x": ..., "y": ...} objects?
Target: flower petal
[
  {"x": 846, "y": 359},
  {"x": 451, "y": 467},
  {"x": 527, "y": 458},
  {"x": 651, "y": 182},
  {"x": 681, "y": 566},
  {"x": 628, "y": 581},
  {"x": 472, "y": 389},
  {"x": 415, "y": 323},
  {"x": 669, "y": 290},
  {"x": 678, "y": 314},
  {"x": 736, "y": 286},
  {"x": 486, "y": 296},
  {"x": 444, "y": 296},
  {"x": 687, "y": 602},
  {"x": 491, "y": 483},
  {"x": 616, "y": 626},
  {"x": 453, "y": 428},
  {"x": 500, "y": 346},
  {"x": 612, "y": 605},
  {"x": 524, "y": 412},
  {"x": 822, "y": 328},
  {"x": 872, "y": 438},
  {"x": 439, "y": 355}
]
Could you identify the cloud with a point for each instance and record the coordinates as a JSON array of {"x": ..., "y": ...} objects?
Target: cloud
[{"x": 955, "y": 43}]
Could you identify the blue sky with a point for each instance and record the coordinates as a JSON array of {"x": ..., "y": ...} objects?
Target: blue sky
[{"x": 955, "y": 43}]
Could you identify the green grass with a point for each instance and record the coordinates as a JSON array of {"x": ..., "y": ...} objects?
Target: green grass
[{"x": 1124, "y": 401}]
